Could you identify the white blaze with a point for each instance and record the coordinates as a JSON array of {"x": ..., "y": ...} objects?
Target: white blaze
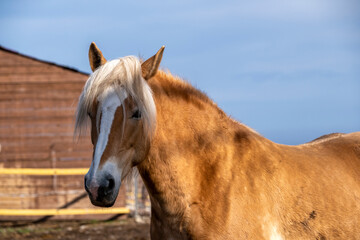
[{"x": 107, "y": 108}]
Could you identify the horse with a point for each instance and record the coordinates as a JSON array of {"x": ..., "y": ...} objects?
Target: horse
[{"x": 209, "y": 176}]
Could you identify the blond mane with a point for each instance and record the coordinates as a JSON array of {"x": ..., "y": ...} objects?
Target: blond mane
[{"x": 123, "y": 73}]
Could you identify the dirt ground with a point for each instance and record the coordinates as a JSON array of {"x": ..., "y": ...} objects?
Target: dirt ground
[{"x": 80, "y": 230}]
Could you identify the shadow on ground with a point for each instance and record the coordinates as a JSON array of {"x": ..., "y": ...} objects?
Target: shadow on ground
[{"x": 124, "y": 229}]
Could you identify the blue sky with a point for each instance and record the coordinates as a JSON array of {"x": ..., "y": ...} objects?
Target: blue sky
[{"x": 288, "y": 69}]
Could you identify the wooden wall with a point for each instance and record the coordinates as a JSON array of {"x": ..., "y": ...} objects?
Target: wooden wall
[{"x": 37, "y": 106}]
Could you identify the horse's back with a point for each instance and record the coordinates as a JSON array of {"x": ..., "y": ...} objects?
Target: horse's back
[
  {"x": 322, "y": 178},
  {"x": 327, "y": 137},
  {"x": 347, "y": 146},
  {"x": 354, "y": 137},
  {"x": 337, "y": 152}
]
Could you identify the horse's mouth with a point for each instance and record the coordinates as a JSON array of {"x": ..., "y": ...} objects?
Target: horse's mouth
[
  {"x": 108, "y": 201},
  {"x": 102, "y": 203}
]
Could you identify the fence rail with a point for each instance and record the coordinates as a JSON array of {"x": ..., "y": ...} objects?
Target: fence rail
[
  {"x": 58, "y": 212},
  {"x": 43, "y": 171}
]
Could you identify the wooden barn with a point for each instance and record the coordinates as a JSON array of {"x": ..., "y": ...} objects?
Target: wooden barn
[{"x": 37, "y": 106}]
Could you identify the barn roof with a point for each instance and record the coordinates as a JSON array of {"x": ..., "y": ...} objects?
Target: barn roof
[{"x": 43, "y": 61}]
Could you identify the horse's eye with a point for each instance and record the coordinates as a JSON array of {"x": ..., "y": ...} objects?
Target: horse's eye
[{"x": 136, "y": 114}]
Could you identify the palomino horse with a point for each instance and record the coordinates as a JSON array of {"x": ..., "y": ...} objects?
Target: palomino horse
[{"x": 208, "y": 176}]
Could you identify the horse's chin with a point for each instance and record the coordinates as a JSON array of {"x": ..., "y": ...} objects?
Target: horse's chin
[{"x": 103, "y": 204}]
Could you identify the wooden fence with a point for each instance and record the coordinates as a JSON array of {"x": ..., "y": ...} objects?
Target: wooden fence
[
  {"x": 137, "y": 199},
  {"x": 54, "y": 212}
]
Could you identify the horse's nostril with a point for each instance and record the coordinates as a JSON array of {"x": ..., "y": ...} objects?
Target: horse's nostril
[
  {"x": 107, "y": 187},
  {"x": 111, "y": 183}
]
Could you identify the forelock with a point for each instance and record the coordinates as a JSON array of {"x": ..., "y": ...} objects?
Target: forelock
[{"x": 116, "y": 74}]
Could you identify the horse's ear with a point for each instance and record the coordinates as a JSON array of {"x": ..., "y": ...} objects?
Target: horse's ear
[
  {"x": 96, "y": 57},
  {"x": 150, "y": 66}
]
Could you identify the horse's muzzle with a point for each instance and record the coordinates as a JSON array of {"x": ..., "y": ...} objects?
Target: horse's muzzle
[{"x": 101, "y": 192}]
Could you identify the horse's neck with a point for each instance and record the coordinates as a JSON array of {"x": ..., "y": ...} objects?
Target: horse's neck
[{"x": 195, "y": 144}]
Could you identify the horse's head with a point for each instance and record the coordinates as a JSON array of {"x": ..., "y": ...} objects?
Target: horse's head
[{"x": 119, "y": 103}]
